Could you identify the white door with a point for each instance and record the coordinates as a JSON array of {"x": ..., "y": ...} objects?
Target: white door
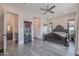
[
  {"x": 1, "y": 30},
  {"x": 5, "y": 32},
  {"x": 3, "y": 35}
]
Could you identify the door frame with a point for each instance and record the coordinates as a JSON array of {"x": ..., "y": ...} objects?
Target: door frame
[
  {"x": 5, "y": 29},
  {"x": 68, "y": 27},
  {"x": 31, "y": 29}
]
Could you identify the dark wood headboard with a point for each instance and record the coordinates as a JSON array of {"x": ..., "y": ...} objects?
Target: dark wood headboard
[{"x": 60, "y": 28}]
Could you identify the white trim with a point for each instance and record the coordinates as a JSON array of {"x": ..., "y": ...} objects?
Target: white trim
[{"x": 20, "y": 42}]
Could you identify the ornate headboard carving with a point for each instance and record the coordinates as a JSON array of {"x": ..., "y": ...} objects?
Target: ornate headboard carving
[{"x": 60, "y": 28}]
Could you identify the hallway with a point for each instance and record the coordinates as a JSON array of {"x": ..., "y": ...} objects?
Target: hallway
[{"x": 41, "y": 48}]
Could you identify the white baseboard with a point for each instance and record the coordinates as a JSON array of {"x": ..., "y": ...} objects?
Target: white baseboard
[{"x": 20, "y": 43}]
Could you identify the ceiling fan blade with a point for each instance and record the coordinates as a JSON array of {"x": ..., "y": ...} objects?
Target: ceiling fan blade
[
  {"x": 52, "y": 7},
  {"x": 45, "y": 13},
  {"x": 43, "y": 9},
  {"x": 51, "y": 12}
]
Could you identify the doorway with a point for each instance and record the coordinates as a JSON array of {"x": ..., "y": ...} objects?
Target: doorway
[
  {"x": 11, "y": 31},
  {"x": 71, "y": 29},
  {"x": 27, "y": 32}
]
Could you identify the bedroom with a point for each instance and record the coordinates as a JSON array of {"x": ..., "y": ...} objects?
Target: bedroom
[
  {"x": 63, "y": 26},
  {"x": 57, "y": 24}
]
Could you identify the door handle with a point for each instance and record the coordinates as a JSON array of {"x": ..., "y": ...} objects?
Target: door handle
[{"x": 4, "y": 35}]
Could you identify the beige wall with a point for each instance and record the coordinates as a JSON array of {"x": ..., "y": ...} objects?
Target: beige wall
[{"x": 9, "y": 23}]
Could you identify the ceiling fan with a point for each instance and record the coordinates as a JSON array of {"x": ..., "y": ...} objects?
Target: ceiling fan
[{"x": 48, "y": 9}]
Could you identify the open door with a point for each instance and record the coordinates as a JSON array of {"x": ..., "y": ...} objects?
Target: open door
[
  {"x": 5, "y": 32},
  {"x": 1, "y": 30},
  {"x": 27, "y": 32}
]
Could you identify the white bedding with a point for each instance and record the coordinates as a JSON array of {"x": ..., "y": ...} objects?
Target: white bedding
[{"x": 63, "y": 34}]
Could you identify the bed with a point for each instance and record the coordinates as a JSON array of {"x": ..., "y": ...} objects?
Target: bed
[{"x": 59, "y": 35}]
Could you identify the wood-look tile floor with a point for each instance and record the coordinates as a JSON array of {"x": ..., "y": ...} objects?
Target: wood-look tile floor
[{"x": 40, "y": 48}]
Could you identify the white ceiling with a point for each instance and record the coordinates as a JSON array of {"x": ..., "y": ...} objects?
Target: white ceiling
[{"x": 34, "y": 8}]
